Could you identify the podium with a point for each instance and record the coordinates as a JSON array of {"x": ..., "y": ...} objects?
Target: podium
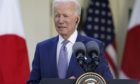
[{"x": 70, "y": 81}]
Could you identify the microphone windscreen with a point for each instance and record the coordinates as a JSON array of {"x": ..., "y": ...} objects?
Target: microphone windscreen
[
  {"x": 92, "y": 46},
  {"x": 79, "y": 47}
]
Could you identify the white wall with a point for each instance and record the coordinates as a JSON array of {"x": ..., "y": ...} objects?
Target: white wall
[{"x": 38, "y": 22}]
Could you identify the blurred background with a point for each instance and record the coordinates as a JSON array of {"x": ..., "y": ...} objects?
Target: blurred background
[{"x": 114, "y": 17}]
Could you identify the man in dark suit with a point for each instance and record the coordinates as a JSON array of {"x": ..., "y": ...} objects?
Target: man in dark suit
[{"x": 46, "y": 60}]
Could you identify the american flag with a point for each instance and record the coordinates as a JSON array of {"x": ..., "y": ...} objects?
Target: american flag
[{"x": 99, "y": 24}]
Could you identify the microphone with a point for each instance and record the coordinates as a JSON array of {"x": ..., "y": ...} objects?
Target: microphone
[
  {"x": 93, "y": 52},
  {"x": 79, "y": 50}
]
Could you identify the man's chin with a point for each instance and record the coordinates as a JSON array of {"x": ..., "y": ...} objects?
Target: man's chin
[{"x": 63, "y": 33}]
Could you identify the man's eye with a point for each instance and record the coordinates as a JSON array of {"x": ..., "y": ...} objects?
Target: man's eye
[
  {"x": 66, "y": 16},
  {"x": 57, "y": 15}
]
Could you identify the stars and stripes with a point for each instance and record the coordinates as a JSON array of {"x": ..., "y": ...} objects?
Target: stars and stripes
[{"x": 99, "y": 24}]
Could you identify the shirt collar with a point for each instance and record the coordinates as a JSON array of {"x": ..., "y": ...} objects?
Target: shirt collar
[{"x": 71, "y": 39}]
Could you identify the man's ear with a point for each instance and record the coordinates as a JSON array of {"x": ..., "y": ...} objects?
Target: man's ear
[{"x": 78, "y": 20}]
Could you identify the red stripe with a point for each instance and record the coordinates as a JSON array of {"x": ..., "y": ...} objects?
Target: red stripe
[{"x": 14, "y": 66}]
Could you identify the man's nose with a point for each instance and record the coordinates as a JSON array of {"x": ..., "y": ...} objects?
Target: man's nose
[{"x": 61, "y": 19}]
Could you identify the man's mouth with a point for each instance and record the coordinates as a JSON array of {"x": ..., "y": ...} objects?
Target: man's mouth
[{"x": 61, "y": 27}]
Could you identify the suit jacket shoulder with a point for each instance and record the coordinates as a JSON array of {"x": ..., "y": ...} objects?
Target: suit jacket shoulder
[
  {"x": 48, "y": 42},
  {"x": 86, "y": 39}
]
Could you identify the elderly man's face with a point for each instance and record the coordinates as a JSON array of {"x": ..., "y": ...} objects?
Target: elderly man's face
[{"x": 65, "y": 18}]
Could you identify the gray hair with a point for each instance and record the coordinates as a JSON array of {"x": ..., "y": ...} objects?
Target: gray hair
[{"x": 77, "y": 4}]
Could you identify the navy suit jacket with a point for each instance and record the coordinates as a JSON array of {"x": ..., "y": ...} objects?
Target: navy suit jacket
[{"x": 44, "y": 63}]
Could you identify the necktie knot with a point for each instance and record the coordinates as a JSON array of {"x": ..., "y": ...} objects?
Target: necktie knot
[{"x": 65, "y": 42}]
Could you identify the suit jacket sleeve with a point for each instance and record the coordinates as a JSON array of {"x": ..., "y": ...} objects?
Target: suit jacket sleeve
[{"x": 35, "y": 73}]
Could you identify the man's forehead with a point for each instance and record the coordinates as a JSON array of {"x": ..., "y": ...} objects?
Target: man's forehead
[{"x": 64, "y": 10}]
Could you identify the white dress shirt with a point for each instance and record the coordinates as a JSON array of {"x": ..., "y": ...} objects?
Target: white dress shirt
[{"x": 69, "y": 45}]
